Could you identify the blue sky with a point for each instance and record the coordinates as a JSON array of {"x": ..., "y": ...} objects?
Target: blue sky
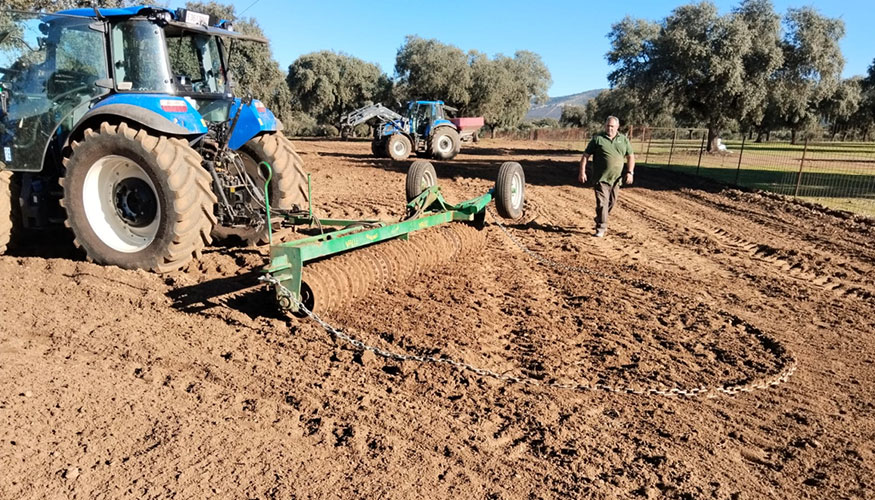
[{"x": 569, "y": 35}]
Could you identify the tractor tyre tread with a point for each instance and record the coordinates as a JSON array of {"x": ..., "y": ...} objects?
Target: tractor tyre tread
[
  {"x": 420, "y": 171},
  {"x": 504, "y": 190},
  {"x": 390, "y": 150},
  {"x": 175, "y": 167},
  {"x": 288, "y": 185},
  {"x": 433, "y": 142}
]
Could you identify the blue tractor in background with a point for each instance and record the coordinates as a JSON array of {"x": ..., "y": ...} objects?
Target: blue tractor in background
[
  {"x": 424, "y": 129},
  {"x": 122, "y": 124}
]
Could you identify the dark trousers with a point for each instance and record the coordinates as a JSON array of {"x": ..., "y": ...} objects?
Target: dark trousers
[{"x": 605, "y": 198}]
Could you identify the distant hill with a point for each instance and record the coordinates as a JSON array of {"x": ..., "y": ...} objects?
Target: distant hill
[{"x": 553, "y": 107}]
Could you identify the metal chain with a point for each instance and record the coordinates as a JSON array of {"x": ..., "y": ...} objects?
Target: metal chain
[{"x": 709, "y": 392}]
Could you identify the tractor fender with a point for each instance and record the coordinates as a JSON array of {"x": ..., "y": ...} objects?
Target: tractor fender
[
  {"x": 165, "y": 114},
  {"x": 254, "y": 120}
]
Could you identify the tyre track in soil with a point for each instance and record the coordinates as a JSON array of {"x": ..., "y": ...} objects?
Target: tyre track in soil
[
  {"x": 792, "y": 260},
  {"x": 531, "y": 356},
  {"x": 787, "y": 216},
  {"x": 630, "y": 243}
]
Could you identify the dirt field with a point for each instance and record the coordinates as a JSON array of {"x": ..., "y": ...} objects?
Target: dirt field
[{"x": 123, "y": 384}]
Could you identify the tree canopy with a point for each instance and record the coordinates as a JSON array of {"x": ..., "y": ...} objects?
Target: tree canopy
[
  {"x": 708, "y": 66},
  {"x": 327, "y": 85},
  {"x": 749, "y": 67},
  {"x": 501, "y": 89}
]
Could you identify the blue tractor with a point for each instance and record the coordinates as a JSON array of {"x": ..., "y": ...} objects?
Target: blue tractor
[
  {"x": 424, "y": 129},
  {"x": 122, "y": 124}
]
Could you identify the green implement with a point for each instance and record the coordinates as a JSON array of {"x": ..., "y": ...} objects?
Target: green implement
[{"x": 320, "y": 288}]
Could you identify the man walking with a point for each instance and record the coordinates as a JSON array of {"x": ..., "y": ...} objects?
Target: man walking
[{"x": 609, "y": 151}]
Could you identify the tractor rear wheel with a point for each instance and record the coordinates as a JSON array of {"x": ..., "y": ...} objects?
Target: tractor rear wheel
[
  {"x": 5, "y": 209},
  {"x": 420, "y": 176},
  {"x": 287, "y": 189},
  {"x": 398, "y": 147},
  {"x": 444, "y": 143},
  {"x": 510, "y": 190},
  {"x": 137, "y": 201}
]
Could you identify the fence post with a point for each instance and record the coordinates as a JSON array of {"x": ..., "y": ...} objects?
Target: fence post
[
  {"x": 671, "y": 149},
  {"x": 649, "y": 142},
  {"x": 740, "y": 154},
  {"x": 801, "y": 165},
  {"x": 701, "y": 150}
]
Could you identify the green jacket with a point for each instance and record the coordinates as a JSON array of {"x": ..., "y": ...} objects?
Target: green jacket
[{"x": 608, "y": 156}]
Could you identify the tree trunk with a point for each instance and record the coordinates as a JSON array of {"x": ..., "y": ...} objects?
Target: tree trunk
[
  {"x": 760, "y": 135},
  {"x": 712, "y": 139},
  {"x": 793, "y": 136}
]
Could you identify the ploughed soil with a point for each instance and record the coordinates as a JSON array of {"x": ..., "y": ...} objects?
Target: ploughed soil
[{"x": 128, "y": 384}]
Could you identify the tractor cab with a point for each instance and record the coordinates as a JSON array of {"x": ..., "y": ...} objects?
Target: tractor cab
[
  {"x": 50, "y": 66},
  {"x": 424, "y": 116},
  {"x": 58, "y": 68}
]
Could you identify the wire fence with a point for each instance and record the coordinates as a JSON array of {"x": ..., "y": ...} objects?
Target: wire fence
[
  {"x": 574, "y": 135},
  {"x": 834, "y": 174}
]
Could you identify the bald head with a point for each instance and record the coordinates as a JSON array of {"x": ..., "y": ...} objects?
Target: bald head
[{"x": 612, "y": 125}]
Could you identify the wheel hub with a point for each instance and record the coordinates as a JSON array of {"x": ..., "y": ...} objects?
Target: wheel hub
[
  {"x": 121, "y": 204},
  {"x": 135, "y": 202},
  {"x": 445, "y": 144}
]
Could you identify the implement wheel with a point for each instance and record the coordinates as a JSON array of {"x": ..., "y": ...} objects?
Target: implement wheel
[
  {"x": 444, "y": 143},
  {"x": 137, "y": 201},
  {"x": 398, "y": 147},
  {"x": 510, "y": 188},
  {"x": 288, "y": 186},
  {"x": 420, "y": 176}
]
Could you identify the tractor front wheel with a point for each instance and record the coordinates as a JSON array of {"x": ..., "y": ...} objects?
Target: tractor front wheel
[
  {"x": 444, "y": 143},
  {"x": 378, "y": 148},
  {"x": 137, "y": 201},
  {"x": 287, "y": 189},
  {"x": 398, "y": 147},
  {"x": 510, "y": 190}
]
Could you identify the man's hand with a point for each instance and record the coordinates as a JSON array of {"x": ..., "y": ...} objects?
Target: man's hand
[
  {"x": 628, "y": 178},
  {"x": 581, "y": 176}
]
